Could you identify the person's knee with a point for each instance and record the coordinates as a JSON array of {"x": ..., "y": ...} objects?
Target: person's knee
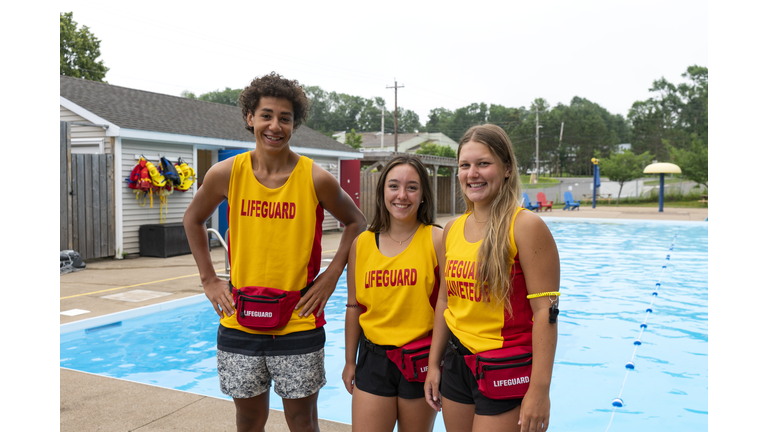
[
  {"x": 304, "y": 420},
  {"x": 250, "y": 417},
  {"x": 250, "y": 421}
]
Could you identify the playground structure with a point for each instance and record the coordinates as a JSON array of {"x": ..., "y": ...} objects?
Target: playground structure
[{"x": 662, "y": 168}]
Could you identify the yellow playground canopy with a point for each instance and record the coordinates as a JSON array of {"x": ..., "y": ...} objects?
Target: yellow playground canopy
[{"x": 662, "y": 168}]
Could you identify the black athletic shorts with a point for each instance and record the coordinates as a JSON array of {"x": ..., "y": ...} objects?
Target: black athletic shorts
[
  {"x": 459, "y": 385},
  {"x": 252, "y": 344},
  {"x": 377, "y": 374}
]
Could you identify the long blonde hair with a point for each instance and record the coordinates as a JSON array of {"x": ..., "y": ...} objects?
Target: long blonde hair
[{"x": 494, "y": 262}]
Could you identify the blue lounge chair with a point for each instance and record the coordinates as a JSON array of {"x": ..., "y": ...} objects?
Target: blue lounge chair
[
  {"x": 528, "y": 204},
  {"x": 570, "y": 204}
]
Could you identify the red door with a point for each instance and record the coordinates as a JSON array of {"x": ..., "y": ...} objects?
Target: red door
[{"x": 350, "y": 179}]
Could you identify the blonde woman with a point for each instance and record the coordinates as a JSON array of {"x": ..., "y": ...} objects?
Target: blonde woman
[
  {"x": 392, "y": 290},
  {"x": 499, "y": 345}
]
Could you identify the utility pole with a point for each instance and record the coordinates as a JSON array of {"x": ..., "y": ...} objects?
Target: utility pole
[
  {"x": 382, "y": 128},
  {"x": 396, "y": 87},
  {"x": 560, "y": 148},
  {"x": 536, "y": 175}
]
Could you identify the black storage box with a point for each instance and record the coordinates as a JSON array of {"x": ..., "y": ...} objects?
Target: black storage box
[{"x": 163, "y": 240}]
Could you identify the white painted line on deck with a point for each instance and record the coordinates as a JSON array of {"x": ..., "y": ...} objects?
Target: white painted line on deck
[
  {"x": 74, "y": 312},
  {"x": 136, "y": 296}
]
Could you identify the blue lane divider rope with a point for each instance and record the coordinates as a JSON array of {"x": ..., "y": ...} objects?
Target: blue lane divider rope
[{"x": 618, "y": 402}]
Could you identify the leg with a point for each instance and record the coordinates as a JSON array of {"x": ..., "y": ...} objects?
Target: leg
[
  {"x": 373, "y": 413},
  {"x": 414, "y": 415},
  {"x": 298, "y": 379},
  {"x": 246, "y": 380},
  {"x": 301, "y": 414},
  {"x": 504, "y": 422},
  {"x": 252, "y": 413},
  {"x": 458, "y": 417}
]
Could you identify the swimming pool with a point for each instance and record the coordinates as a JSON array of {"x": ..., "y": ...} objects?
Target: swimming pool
[{"x": 609, "y": 270}]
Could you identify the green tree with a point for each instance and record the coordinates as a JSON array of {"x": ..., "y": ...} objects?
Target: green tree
[
  {"x": 623, "y": 167},
  {"x": 333, "y": 111},
  {"x": 227, "y": 96},
  {"x": 78, "y": 51},
  {"x": 430, "y": 148},
  {"x": 353, "y": 139},
  {"x": 674, "y": 114},
  {"x": 693, "y": 162}
]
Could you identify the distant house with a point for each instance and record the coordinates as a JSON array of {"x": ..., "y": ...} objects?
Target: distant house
[
  {"x": 129, "y": 123},
  {"x": 406, "y": 142}
]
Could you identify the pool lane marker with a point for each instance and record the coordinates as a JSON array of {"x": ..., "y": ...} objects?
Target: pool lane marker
[{"x": 618, "y": 402}]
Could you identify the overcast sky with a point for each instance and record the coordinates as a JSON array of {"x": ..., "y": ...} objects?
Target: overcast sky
[{"x": 506, "y": 53}]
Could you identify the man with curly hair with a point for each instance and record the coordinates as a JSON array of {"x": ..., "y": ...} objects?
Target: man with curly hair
[{"x": 275, "y": 209}]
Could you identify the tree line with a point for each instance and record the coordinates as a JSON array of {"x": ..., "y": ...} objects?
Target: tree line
[{"x": 671, "y": 125}]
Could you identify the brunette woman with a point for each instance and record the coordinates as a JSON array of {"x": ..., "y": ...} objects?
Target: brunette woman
[{"x": 392, "y": 289}]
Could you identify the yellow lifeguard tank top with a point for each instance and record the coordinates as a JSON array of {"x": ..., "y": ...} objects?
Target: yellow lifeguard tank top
[
  {"x": 274, "y": 236},
  {"x": 398, "y": 294},
  {"x": 478, "y": 324}
]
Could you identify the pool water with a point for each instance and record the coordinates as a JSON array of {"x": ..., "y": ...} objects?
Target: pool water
[{"x": 608, "y": 272}]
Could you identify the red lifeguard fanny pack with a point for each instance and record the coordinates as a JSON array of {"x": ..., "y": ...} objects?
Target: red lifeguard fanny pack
[
  {"x": 503, "y": 373},
  {"x": 262, "y": 308},
  {"x": 412, "y": 359}
]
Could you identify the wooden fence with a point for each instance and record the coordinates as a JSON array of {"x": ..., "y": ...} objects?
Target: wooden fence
[
  {"x": 368, "y": 195},
  {"x": 87, "y": 201},
  {"x": 444, "y": 196}
]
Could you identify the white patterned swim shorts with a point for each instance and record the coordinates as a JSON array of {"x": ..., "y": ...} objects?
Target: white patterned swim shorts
[{"x": 295, "y": 376}]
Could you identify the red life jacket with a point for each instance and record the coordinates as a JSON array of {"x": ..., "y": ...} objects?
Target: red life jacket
[{"x": 144, "y": 182}]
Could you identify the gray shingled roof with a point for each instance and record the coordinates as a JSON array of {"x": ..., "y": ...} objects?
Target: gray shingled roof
[
  {"x": 143, "y": 110},
  {"x": 370, "y": 139}
]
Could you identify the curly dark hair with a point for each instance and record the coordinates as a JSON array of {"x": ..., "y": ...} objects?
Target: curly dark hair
[{"x": 275, "y": 85}]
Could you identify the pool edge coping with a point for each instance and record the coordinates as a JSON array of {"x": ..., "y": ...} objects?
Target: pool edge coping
[
  {"x": 622, "y": 221},
  {"x": 116, "y": 317},
  {"x": 128, "y": 314}
]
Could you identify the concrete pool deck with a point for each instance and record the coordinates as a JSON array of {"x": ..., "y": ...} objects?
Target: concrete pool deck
[{"x": 90, "y": 402}]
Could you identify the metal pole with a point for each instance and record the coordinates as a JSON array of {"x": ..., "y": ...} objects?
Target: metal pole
[
  {"x": 396, "y": 87},
  {"x": 537, "y": 146},
  {"x": 559, "y": 148},
  {"x": 453, "y": 191},
  {"x": 434, "y": 185},
  {"x": 661, "y": 192},
  {"x": 595, "y": 161},
  {"x": 395, "y": 116},
  {"x": 382, "y": 128},
  {"x": 594, "y": 189}
]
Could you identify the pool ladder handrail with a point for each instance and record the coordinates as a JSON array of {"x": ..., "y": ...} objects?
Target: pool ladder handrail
[{"x": 226, "y": 251}]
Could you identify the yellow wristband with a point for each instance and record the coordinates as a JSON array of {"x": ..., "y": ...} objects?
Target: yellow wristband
[{"x": 537, "y": 295}]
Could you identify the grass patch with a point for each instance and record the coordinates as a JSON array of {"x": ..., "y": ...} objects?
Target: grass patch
[
  {"x": 670, "y": 204},
  {"x": 671, "y": 199},
  {"x": 667, "y": 181},
  {"x": 526, "y": 179}
]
